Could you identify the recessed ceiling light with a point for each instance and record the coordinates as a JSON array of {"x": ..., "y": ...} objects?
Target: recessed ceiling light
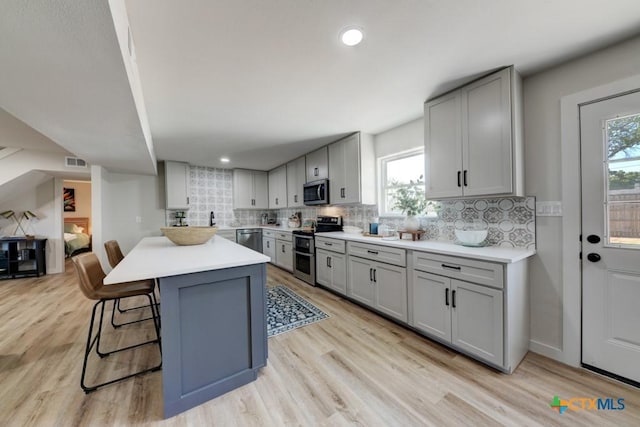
[
  {"x": 224, "y": 160},
  {"x": 351, "y": 36}
]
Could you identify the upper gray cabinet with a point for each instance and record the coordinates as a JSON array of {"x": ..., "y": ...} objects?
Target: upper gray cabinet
[
  {"x": 317, "y": 165},
  {"x": 296, "y": 177},
  {"x": 278, "y": 188},
  {"x": 473, "y": 139},
  {"x": 176, "y": 176},
  {"x": 250, "y": 189},
  {"x": 352, "y": 170}
]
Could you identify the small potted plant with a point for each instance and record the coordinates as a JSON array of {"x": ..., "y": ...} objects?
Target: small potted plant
[{"x": 411, "y": 201}]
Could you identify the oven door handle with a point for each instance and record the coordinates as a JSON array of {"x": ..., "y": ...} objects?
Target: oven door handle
[{"x": 304, "y": 254}]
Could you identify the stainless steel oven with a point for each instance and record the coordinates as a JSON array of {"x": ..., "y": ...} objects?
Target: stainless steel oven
[{"x": 304, "y": 261}]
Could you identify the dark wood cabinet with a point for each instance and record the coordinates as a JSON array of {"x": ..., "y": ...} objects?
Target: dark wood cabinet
[{"x": 22, "y": 257}]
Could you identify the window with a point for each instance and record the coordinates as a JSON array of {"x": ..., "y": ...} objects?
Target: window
[{"x": 396, "y": 171}]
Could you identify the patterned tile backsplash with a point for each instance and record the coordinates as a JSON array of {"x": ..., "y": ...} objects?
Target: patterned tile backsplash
[{"x": 510, "y": 221}]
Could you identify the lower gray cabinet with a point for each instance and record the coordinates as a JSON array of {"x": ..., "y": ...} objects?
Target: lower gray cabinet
[
  {"x": 467, "y": 315},
  {"x": 269, "y": 248},
  {"x": 331, "y": 270},
  {"x": 284, "y": 254},
  {"x": 378, "y": 285}
]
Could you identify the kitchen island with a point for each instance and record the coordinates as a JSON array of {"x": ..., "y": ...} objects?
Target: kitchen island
[{"x": 214, "y": 332}]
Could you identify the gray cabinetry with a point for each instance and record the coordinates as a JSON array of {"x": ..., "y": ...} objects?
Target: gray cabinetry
[
  {"x": 331, "y": 264},
  {"x": 284, "y": 250},
  {"x": 317, "y": 165},
  {"x": 352, "y": 170},
  {"x": 250, "y": 189},
  {"x": 278, "y": 188},
  {"x": 296, "y": 177},
  {"x": 176, "y": 176},
  {"x": 269, "y": 248},
  {"x": 486, "y": 318},
  {"x": 380, "y": 285},
  {"x": 473, "y": 139}
]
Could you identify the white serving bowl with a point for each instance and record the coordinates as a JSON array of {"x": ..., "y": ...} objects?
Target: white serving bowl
[
  {"x": 187, "y": 236},
  {"x": 351, "y": 229},
  {"x": 471, "y": 237}
]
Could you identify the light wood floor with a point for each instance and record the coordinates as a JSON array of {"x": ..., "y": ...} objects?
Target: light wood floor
[{"x": 354, "y": 368}]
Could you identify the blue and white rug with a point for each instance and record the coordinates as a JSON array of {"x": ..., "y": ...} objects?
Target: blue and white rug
[{"x": 287, "y": 310}]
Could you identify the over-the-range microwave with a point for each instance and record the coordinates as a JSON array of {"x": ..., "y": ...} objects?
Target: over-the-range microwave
[{"x": 316, "y": 193}]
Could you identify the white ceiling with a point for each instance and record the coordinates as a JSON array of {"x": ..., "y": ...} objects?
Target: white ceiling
[{"x": 263, "y": 81}]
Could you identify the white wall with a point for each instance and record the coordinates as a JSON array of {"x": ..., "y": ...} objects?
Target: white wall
[
  {"x": 402, "y": 138},
  {"x": 542, "y": 94},
  {"x": 118, "y": 200}
]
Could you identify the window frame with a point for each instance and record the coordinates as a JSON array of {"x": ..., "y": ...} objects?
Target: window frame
[{"x": 382, "y": 179}]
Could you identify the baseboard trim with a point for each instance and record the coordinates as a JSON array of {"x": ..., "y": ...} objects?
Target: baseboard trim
[{"x": 547, "y": 350}]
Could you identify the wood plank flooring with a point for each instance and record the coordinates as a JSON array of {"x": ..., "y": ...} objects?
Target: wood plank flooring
[{"x": 354, "y": 368}]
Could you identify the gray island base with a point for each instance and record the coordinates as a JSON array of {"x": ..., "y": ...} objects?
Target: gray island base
[
  {"x": 214, "y": 334},
  {"x": 213, "y": 311}
]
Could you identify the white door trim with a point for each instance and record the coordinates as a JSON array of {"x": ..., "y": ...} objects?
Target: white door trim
[{"x": 571, "y": 226}]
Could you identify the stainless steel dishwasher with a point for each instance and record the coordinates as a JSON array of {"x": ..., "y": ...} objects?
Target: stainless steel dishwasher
[{"x": 250, "y": 237}]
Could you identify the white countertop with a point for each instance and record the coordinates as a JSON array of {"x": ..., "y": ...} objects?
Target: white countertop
[
  {"x": 487, "y": 253},
  {"x": 159, "y": 257}
]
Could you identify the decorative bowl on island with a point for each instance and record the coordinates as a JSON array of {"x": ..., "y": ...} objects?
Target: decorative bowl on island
[
  {"x": 471, "y": 237},
  {"x": 187, "y": 236}
]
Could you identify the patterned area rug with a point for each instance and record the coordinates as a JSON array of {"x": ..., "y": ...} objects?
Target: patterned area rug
[{"x": 287, "y": 310}]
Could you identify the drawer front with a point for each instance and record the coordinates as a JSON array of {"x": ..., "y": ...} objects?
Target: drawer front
[
  {"x": 334, "y": 245},
  {"x": 268, "y": 233},
  {"x": 284, "y": 236},
  {"x": 386, "y": 254},
  {"x": 481, "y": 272}
]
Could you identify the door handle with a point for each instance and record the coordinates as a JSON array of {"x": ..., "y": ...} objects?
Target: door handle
[
  {"x": 276, "y": 201},
  {"x": 375, "y": 279},
  {"x": 453, "y": 299},
  {"x": 329, "y": 261},
  {"x": 282, "y": 248},
  {"x": 268, "y": 244},
  {"x": 295, "y": 198},
  {"x": 459, "y": 184},
  {"x": 372, "y": 252},
  {"x": 452, "y": 267},
  {"x": 593, "y": 238},
  {"x": 464, "y": 179},
  {"x": 593, "y": 257},
  {"x": 342, "y": 193},
  {"x": 315, "y": 172},
  {"x": 446, "y": 297},
  {"x": 371, "y": 274}
]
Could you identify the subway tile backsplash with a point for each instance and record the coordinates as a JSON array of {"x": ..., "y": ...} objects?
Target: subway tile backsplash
[{"x": 510, "y": 221}]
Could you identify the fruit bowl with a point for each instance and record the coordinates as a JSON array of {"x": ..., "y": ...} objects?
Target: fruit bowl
[
  {"x": 471, "y": 237},
  {"x": 187, "y": 236}
]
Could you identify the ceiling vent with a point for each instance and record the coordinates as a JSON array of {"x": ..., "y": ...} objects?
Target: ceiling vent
[{"x": 74, "y": 162}]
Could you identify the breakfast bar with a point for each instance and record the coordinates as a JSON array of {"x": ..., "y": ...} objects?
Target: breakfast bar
[{"x": 214, "y": 333}]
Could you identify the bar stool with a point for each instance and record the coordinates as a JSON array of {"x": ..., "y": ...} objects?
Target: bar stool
[
  {"x": 114, "y": 255},
  {"x": 91, "y": 284}
]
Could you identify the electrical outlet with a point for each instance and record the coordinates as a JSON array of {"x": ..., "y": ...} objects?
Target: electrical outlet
[{"x": 548, "y": 208}]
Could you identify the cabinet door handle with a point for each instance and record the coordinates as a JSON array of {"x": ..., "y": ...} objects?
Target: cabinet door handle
[
  {"x": 459, "y": 184},
  {"x": 187, "y": 200},
  {"x": 276, "y": 201},
  {"x": 453, "y": 299},
  {"x": 329, "y": 259},
  {"x": 375, "y": 279},
  {"x": 315, "y": 172},
  {"x": 268, "y": 244},
  {"x": 371, "y": 274},
  {"x": 372, "y": 252},
  {"x": 282, "y": 248},
  {"x": 295, "y": 198},
  {"x": 446, "y": 297},
  {"x": 342, "y": 193},
  {"x": 452, "y": 267},
  {"x": 465, "y": 178},
  {"x": 328, "y": 265},
  {"x": 328, "y": 244}
]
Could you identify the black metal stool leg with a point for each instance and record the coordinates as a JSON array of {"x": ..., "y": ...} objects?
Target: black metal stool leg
[
  {"x": 116, "y": 303},
  {"x": 96, "y": 341}
]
